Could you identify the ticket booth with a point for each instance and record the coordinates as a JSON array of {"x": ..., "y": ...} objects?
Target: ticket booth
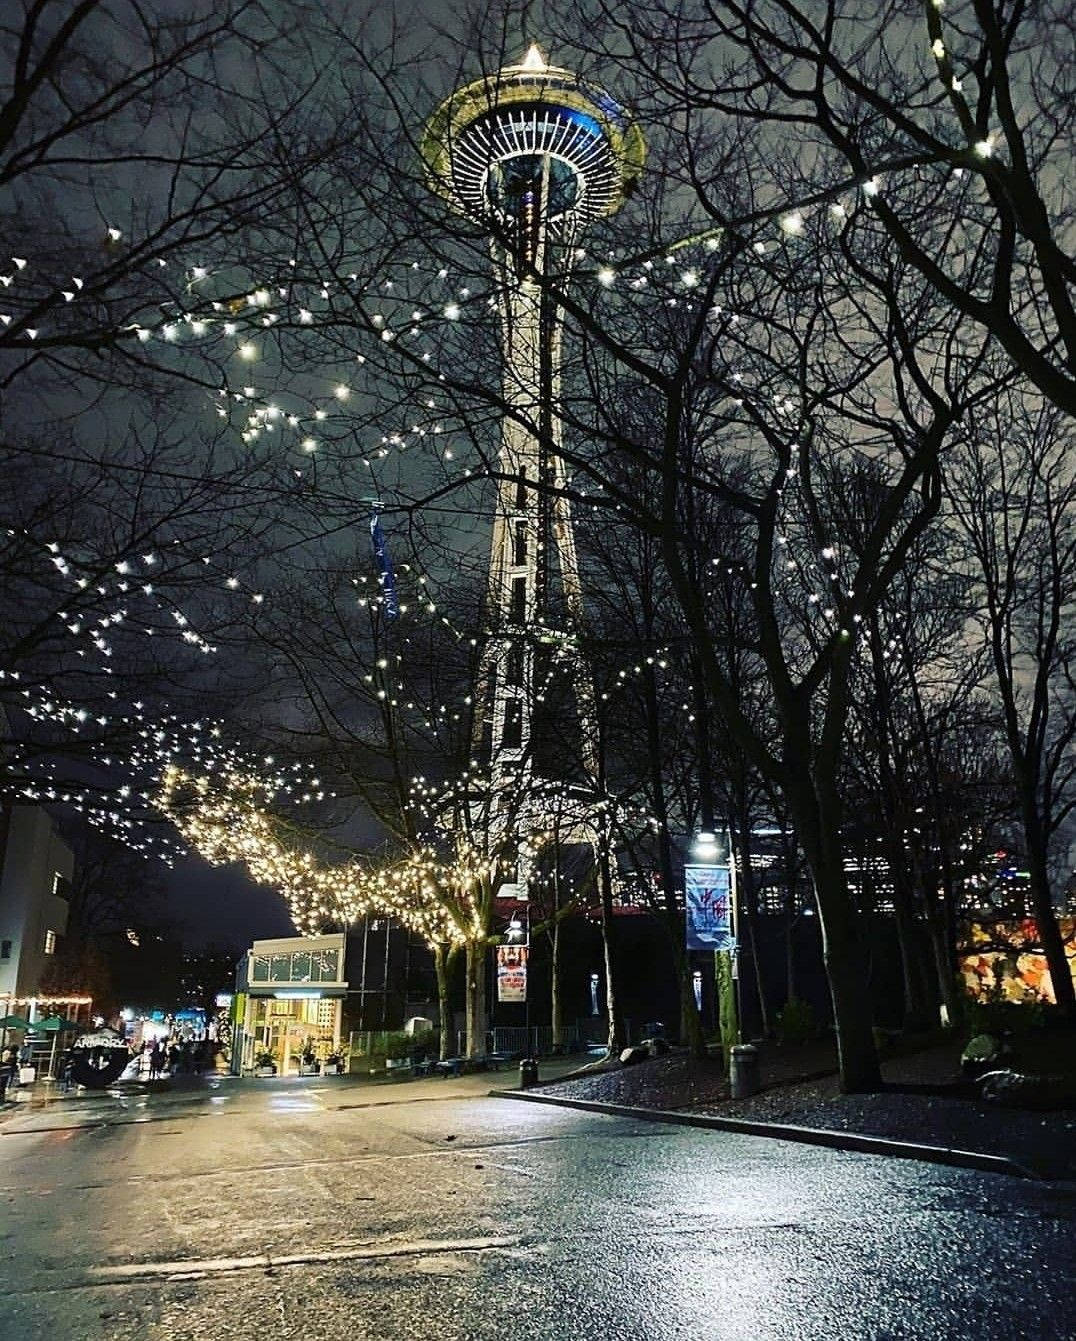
[{"x": 289, "y": 1002}]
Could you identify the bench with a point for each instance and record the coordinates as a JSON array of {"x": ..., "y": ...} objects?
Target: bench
[{"x": 456, "y": 1066}]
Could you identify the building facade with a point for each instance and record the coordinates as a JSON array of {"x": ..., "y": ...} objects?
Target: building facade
[
  {"x": 36, "y": 870},
  {"x": 302, "y": 994},
  {"x": 289, "y": 996}
]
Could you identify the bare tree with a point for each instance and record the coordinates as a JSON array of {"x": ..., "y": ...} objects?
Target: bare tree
[
  {"x": 957, "y": 122},
  {"x": 1014, "y": 498}
]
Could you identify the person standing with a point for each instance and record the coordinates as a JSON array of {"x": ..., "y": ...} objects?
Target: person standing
[{"x": 8, "y": 1062}]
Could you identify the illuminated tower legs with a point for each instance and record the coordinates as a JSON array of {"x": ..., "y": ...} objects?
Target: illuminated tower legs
[{"x": 533, "y": 551}]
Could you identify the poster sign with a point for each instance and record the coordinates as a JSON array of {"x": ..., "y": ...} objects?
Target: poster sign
[
  {"x": 511, "y": 973},
  {"x": 708, "y": 900}
]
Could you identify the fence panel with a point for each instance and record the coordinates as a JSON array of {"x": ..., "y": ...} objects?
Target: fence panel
[
  {"x": 510, "y": 1038},
  {"x": 367, "y": 1042}
]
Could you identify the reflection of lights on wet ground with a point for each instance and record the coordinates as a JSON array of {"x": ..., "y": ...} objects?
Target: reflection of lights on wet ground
[{"x": 295, "y": 1105}]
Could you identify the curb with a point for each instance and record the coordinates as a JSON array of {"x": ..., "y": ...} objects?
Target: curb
[{"x": 834, "y": 1140}]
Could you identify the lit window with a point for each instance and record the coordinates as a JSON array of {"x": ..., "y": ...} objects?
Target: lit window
[{"x": 50, "y": 942}]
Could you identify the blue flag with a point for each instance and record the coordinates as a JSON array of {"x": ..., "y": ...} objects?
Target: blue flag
[
  {"x": 708, "y": 900},
  {"x": 385, "y": 575}
]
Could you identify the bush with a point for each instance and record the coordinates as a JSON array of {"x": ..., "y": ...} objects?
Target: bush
[
  {"x": 796, "y": 1022},
  {"x": 1005, "y": 1017},
  {"x": 401, "y": 1045}
]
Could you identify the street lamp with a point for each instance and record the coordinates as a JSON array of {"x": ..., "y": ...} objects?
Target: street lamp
[
  {"x": 707, "y": 850},
  {"x": 705, "y": 847}
]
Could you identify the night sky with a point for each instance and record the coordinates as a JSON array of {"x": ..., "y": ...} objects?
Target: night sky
[{"x": 220, "y": 905}]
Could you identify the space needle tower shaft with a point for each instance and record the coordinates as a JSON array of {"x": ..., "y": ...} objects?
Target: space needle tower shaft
[{"x": 533, "y": 154}]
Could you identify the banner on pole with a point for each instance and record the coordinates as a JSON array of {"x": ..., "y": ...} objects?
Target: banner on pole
[
  {"x": 386, "y": 574},
  {"x": 511, "y": 973},
  {"x": 708, "y": 900}
]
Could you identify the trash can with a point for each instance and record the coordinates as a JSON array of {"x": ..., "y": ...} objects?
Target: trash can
[
  {"x": 528, "y": 1073},
  {"x": 744, "y": 1070}
]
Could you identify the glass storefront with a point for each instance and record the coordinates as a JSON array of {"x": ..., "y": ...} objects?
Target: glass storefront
[
  {"x": 289, "y": 1029},
  {"x": 289, "y": 1003}
]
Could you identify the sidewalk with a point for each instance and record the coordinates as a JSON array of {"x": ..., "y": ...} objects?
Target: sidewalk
[{"x": 924, "y": 1112}]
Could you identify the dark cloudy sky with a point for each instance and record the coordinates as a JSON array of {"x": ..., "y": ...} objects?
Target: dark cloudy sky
[{"x": 220, "y": 905}]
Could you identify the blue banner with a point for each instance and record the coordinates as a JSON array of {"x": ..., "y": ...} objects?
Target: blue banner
[
  {"x": 708, "y": 900},
  {"x": 385, "y": 575}
]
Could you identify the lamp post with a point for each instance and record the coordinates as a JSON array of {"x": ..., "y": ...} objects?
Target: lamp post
[{"x": 707, "y": 850}]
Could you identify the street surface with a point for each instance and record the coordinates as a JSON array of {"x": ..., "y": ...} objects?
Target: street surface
[{"x": 325, "y": 1209}]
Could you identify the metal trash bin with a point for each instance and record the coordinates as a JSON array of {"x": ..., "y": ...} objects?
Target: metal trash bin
[
  {"x": 744, "y": 1078},
  {"x": 528, "y": 1073}
]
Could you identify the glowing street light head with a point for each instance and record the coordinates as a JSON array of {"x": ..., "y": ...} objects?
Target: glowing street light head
[
  {"x": 705, "y": 846},
  {"x": 533, "y": 139}
]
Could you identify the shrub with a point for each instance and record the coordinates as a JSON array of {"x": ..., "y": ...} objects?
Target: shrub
[
  {"x": 796, "y": 1022},
  {"x": 993, "y": 1016},
  {"x": 400, "y": 1045}
]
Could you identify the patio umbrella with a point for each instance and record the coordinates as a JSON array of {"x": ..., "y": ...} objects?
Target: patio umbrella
[
  {"x": 11, "y": 1022},
  {"x": 54, "y": 1024}
]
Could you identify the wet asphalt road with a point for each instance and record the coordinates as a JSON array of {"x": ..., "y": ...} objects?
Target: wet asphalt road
[{"x": 306, "y": 1212}]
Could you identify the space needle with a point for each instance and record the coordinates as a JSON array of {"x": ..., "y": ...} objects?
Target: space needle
[{"x": 533, "y": 154}]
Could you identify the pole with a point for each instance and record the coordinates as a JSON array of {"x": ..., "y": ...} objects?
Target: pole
[{"x": 734, "y": 907}]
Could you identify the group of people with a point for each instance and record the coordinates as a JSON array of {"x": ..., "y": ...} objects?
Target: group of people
[{"x": 177, "y": 1058}]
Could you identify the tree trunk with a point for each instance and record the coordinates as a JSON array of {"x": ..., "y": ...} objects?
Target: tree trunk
[
  {"x": 748, "y": 897},
  {"x": 690, "y": 1032},
  {"x": 477, "y": 952},
  {"x": 917, "y": 1011},
  {"x": 1053, "y": 946},
  {"x": 556, "y": 1009},
  {"x": 943, "y": 966},
  {"x": 443, "y": 960},
  {"x": 690, "y": 1020},
  {"x": 616, "y": 1037},
  {"x": 791, "y": 917},
  {"x": 845, "y": 955}
]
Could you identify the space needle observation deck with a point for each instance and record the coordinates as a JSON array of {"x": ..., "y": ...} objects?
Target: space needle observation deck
[{"x": 533, "y": 150}]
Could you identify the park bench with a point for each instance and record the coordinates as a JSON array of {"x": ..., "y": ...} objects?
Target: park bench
[{"x": 489, "y": 1061}]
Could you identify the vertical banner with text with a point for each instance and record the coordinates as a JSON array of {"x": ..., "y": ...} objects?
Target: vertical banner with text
[
  {"x": 708, "y": 900},
  {"x": 511, "y": 973}
]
